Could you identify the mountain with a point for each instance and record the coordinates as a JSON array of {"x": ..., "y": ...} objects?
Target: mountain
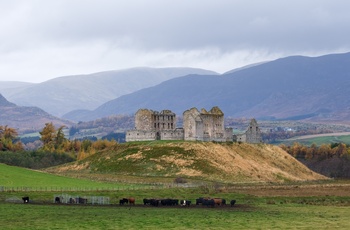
[
  {"x": 14, "y": 85},
  {"x": 26, "y": 119},
  {"x": 63, "y": 94},
  {"x": 195, "y": 160},
  {"x": 295, "y": 87}
]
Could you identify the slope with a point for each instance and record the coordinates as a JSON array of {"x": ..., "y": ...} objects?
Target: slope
[
  {"x": 196, "y": 160},
  {"x": 12, "y": 176},
  {"x": 26, "y": 119},
  {"x": 63, "y": 94},
  {"x": 289, "y": 88}
]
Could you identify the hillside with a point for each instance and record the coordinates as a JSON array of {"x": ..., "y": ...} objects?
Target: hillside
[
  {"x": 26, "y": 119},
  {"x": 12, "y": 176},
  {"x": 226, "y": 162},
  {"x": 293, "y": 88},
  {"x": 64, "y": 94}
]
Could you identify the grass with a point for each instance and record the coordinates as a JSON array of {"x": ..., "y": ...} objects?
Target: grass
[
  {"x": 12, "y": 176},
  {"x": 319, "y": 140},
  {"x": 258, "y": 216},
  {"x": 251, "y": 211}
]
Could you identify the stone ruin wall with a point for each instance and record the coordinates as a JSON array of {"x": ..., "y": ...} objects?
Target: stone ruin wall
[
  {"x": 152, "y": 125},
  {"x": 213, "y": 125},
  {"x": 252, "y": 134},
  {"x": 192, "y": 125},
  {"x": 177, "y": 134},
  {"x": 144, "y": 120},
  {"x": 140, "y": 135},
  {"x": 203, "y": 126}
]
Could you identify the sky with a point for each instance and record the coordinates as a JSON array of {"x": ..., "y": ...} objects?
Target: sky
[{"x": 41, "y": 39}]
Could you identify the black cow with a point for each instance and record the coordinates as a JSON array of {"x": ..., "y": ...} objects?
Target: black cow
[
  {"x": 57, "y": 199},
  {"x": 209, "y": 202},
  {"x": 72, "y": 200},
  {"x": 146, "y": 201},
  {"x": 166, "y": 202},
  {"x": 154, "y": 202},
  {"x": 82, "y": 200},
  {"x": 25, "y": 199},
  {"x": 123, "y": 201},
  {"x": 199, "y": 201},
  {"x": 185, "y": 202},
  {"x": 223, "y": 202},
  {"x": 232, "y": 202},
  {"x": 169, "y": 202}
]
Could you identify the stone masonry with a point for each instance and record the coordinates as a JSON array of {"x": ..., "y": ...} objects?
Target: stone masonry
[{"x": 197, "y": 126}]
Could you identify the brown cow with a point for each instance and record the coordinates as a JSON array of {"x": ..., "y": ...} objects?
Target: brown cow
[
  {"x": 132, "y": 200},
  {"x": 218, "y": 201}
]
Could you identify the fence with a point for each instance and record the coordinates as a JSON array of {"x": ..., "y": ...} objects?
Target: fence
[{"x": 74, "y": 199}]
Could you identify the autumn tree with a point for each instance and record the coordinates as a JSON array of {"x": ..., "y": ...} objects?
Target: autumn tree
[
  {"x": 8, "y": 138},
  {"x": 60, "y": 139},
  {"x": 48, "y": 135}
]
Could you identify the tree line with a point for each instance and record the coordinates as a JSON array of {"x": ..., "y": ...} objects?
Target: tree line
[
  {"x": 324, "y": 151},
  {"x": 53, "y": 148},
  {"x": 54, "y": 140},
  {"x": 332, "y": 160}
]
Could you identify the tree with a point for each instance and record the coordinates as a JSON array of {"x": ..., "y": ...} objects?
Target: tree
[
  {"x": 9, "y": 133},
  {"x": 60, "y": 138},
  {"x": 8, "y": 138},
  {"x": 48, "y": 135}
]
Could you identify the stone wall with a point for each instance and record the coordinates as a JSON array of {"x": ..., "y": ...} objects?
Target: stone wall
[
  {"x": 204, "y": 125},
  {"x": 192, "y": 125},
  {"x": 197, "y": 126},
  {"x": 252, "y": 134},
  {"x": 177, "y": 134},
  {"x": 140, "y": 135}
]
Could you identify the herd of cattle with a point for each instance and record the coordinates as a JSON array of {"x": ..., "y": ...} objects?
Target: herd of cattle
[{"x": 205, "y": 201}]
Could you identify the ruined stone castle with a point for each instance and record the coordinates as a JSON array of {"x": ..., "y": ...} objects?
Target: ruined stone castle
[{"x": 197, "y": 126}]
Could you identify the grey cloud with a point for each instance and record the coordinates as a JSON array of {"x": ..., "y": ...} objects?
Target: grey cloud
[{"x": 169, "y": 28}]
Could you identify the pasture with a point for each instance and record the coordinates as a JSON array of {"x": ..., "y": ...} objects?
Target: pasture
[
  {"x": 318, "y": 139},
  {"x": 17, "y": 178},
  {"x": 293, "y": 205},
  {"x": 324, "y": 205},
  {"x": 251, "y": 212}
]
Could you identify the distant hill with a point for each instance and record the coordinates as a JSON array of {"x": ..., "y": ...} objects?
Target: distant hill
[
  {"x": 294, "y": 88},
  {"x": 26, "y": 119},
  {"x": 64, "y": 94},
  {"x": 10, "y": 85},
  {"x": 195, "y": 160}
]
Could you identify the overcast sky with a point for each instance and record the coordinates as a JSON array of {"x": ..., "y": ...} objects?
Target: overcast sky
[{"x": 44, "y": 39}]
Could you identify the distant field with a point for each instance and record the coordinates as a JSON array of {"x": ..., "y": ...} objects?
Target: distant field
[{"x": 320, "y": 139}]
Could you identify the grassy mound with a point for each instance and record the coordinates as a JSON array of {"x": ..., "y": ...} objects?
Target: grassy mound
[{"x": 222, "y": 162}]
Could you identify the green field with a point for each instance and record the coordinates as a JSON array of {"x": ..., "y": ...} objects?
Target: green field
[
  {"x": 269, "y": 210},
  {"x": 319, "y": 140},
  {"x": 256, "y": 215},
  {"x": 16, "y": 177}
]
